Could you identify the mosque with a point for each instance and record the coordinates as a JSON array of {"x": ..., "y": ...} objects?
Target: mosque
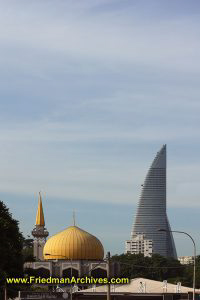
[{"x": 71, "y": 252}]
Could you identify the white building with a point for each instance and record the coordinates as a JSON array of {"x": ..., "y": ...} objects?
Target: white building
[
  {"x": 186, "y": 260},
  {"x": 139, "y": 244}
]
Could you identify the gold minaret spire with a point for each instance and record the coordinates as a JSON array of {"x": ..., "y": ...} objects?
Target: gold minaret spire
[{"x": 40, "y": 214}]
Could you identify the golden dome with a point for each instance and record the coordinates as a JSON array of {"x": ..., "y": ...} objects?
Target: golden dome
[{"x": 73, "y": 243}]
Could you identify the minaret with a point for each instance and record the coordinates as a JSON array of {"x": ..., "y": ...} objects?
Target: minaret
[{"x": 39, "y": 232}]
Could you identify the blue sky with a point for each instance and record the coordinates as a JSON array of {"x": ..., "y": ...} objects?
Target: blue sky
[{"x": 89, "y": 92}]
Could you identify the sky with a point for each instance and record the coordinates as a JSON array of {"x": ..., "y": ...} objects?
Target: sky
[{"x": 89, "y": 92}]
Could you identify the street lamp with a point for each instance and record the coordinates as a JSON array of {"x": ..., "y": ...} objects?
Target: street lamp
[{"x": 183, "y": 232}]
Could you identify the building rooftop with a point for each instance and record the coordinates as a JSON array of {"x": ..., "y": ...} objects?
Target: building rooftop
[{"x": 142, "y": 285}]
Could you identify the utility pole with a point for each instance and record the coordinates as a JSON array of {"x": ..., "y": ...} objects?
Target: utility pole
[
  {"x": 5, "y": 292},
  {"x": 71, "y": 297},
  {"x": 108, "y": 275}
]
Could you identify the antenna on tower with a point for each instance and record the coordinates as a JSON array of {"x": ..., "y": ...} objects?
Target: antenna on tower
[{"x": 74, "y": 218}]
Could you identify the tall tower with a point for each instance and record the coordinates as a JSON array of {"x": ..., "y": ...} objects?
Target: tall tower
[
  {"x": 151, "y": 212},
  {"x": 39, "y": 232}
]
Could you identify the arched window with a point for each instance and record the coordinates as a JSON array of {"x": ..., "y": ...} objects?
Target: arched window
[
  {"x": 44, "y": 273},
  {"x": 99, "y": 273},
  {"x": 70, "y": 272}
]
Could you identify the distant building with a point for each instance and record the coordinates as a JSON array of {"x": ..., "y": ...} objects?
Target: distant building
[
  {"x": 186, "y": 260},
  {"x": 139, "y": 245},
  {"x": 151, "y": 213}
]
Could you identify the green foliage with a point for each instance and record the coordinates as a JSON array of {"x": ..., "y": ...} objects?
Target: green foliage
[
  {"x": 28, "y": 250},
  {"x": 157, "y": 268},
  {"x": 11, "y": 241}
]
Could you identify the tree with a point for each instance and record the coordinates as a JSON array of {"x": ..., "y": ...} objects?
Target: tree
[
  {"x": 156, "y": 267},
  {"x": 11, "y": 243},
  {"x": 28, "y": 250}
]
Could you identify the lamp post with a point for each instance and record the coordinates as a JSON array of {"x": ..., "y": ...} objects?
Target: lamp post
[
  {"x": 194, "y": 271},
  {"x": 108, "y": 275}
]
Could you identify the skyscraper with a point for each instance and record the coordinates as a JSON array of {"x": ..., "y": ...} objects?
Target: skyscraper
[{"x": 151, "y": 212}]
